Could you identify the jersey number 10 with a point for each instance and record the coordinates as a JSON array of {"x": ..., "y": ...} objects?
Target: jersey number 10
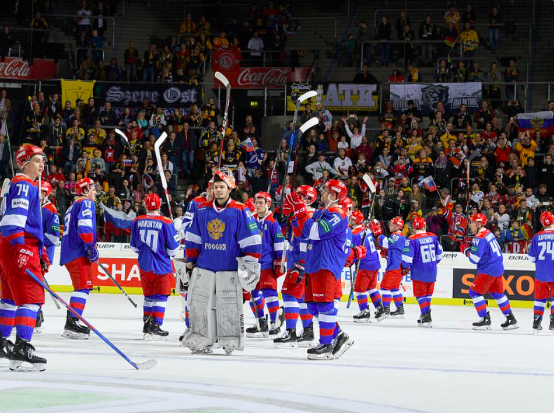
[{"x": 150, "y": 238}]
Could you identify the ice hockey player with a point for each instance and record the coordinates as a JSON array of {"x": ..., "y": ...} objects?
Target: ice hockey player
[
  {"x": 79, "y": 252},
  {"x": 422, "y": 254},
  {"x": 273, "y": 243},
  {"x": 294, "y": 286},
  {"x": 21, "y": 243},
  {"x": 391, "y": 284},
  {"x": 223, "y": 248},
  {"x": 541, "y": 253},
  {"x": 155, "y": 240},
  {"x": 326, "y": 233},
  {"x": 368, "y": 271},
  {"x": 51, "y": 228},
  {"x": 182, "y": 274},
  {"x": 487, "y": 255}
]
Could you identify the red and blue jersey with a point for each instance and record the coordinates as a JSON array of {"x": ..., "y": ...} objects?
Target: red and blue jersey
[
  {"x": 79, "y": 231},
  {"x": 189, "y": 214},
  {"x": 51, "y": 228},
  {"x": 218, "y": 236},
  {"x": 421, "y": 254},
  {"x": 326, "y": 232},
  {"x": 298, "y": 244},
  {"x": 371, "y": 261},
  {"x": 21, "y": 220},
  {"x": 273, "y": 240},
  {"x": 541, "y": 252},
  {"x": 395, "y": 244},
  {"x": 155, "y": 240},
  {"x": 486, "y": 253}
]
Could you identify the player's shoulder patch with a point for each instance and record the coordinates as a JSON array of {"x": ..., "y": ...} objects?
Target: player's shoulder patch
[
  {"x": 22, "y": 178},
  {"x": 51, "y": 207},
  {"x": 338, "y": 210}
]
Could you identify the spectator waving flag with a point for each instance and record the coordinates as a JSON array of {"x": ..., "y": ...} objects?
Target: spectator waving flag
[
  {"x": 428, "y": 183},
  {"x": 118, "y": 222},
  {"x": 247, "y": 145}
]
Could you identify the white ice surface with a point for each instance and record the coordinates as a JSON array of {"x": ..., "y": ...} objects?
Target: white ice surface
[{"x": 393, "y": 366}]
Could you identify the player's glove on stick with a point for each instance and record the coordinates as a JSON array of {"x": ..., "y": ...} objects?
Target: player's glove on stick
[
  {"x": 299, "y": 209},
  {"x": 93, "y": 254}
]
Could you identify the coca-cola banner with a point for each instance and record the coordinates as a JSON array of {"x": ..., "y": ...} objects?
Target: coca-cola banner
[
  {"x": 226, "y": 60},
  {"x": 260, "y": 77},
  {"x": 16, "y": 68},
  {"x": 168, "y": 96},
  {"x": 336, "y": 96}
]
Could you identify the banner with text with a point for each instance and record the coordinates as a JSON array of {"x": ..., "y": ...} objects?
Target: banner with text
[
  {"x": 426, "y": 96},
  {"x": 336, "y": 96},
  {"x": 260, "y": 77},
  {"x": 168, "y": 96},
  {"x": 16, "y": 68}
]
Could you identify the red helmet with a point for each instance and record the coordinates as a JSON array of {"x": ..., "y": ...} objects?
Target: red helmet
[
  {"x": 479, "y": 218},
  {"x": 547, "y": 219},
  {"x": 347, "y": 204},
  {"x": 264, "y": 195},
  {"x": 307, "y": 191},
  {"x": 210, "y": 183},
  {"x": 229, "y": 179},
  {"x": 45, "y": 187},
  {"x": 83, "y": 184},
  {"x": 152, "y": 202},
  {"x": 357, "y": 216},
  {"x": 398, "y": 222},
  {"x": 418, "y": 223},
  {"x": 250, "y": 204},
  {"x": 25, "y": 153},
  {"x": 338, "y": 187}
]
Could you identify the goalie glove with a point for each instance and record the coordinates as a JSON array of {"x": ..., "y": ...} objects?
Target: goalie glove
[{"x": 249, "y": 272}]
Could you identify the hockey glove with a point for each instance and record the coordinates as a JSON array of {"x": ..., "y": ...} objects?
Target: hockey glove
[
  {"x": 277, "y": 268},
  {"x": 297, "y": 274},
  {"x": 404, "y": 270},
  {"x": 280, "y": 217},
  {"x": 359, "y": 252},
  {"x": 375, "y": 227},
  {"x": 287, "y": 207},
  {"x": 298, "y": 206},
  {"x": 384, "y": 252},
  {"x": 44, "y": 263},
  {"x": 465, "y": 248},
  {"x": 93, "y": 255}
]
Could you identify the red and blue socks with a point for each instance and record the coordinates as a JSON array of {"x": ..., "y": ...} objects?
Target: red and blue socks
[
  {"x": 538, "y": 308},
  {"x": 7, "y": 317},
  {"x": 424, "y": 303},
  {"x": 292, "y": 311},
  {"x": 479, "y": 303},
  {"x": 387, "y": 298},
  {"x": 260, "y": 303},
  {"x": 397, "y": 297},
  {"x": 305, "y": 315},
  {"x": 502, "y": 302},
  {"x": 25, "y": 320},
  {"x": 272, "y": 302},
  {"x": 78, "y": 300},
  {"x": 154, "y": 306}
]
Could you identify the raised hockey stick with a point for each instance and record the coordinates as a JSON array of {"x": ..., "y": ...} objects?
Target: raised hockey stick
[
  {"x": 120, "y": 133},
  {"x": 147, "y": 365},
  {"x": 225, "y": 82},
  {"x": 307, "y": 125},
  {"x": 157, "y": 147},
  {"x": 116, "y": 283}
]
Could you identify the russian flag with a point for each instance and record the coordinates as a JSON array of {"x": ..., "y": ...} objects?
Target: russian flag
[
  {"x": 247, "y": 145},
  {"x": 428, "y": 183},
  {"x": 118, "y": 222},
  {"x": 541, "y": 121}
]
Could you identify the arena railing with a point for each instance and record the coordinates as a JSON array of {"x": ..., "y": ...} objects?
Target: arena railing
[
  {"x": 85, "y": 48},
  {"x": 76, "y": 17}
]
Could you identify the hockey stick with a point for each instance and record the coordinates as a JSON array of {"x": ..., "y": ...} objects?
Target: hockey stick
[
  {"x": 147, "y": 365},
  {"x": 221, "y": 77},
  {"x": 116, "y": 283},
  {"x": 53, "y": 299},
  {"x": 120, "y": 133},
  {"x": 353, "y": 276},
  {"x": 9, "y": 142},
  {"x": 157, "y": 146},
  {"x": 307, "y": 125}
]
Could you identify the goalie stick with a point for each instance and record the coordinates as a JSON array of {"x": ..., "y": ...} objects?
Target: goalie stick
[
  {"x": 225, "y": 82},
  {"x": 157, "y": 146},
  {"x": 147, "y": 365}
]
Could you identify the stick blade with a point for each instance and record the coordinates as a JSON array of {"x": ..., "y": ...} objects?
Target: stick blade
[
  {"x": 120, "y": 133},
  {"x": 221, "y": 77},
  {"x": 147, "y": 365},
  {"x": 369, "y": 183},
  {"x": 309, "y": 124},
  {"x": 307, "y": 95},
  {"x": 5, "y": 186}
]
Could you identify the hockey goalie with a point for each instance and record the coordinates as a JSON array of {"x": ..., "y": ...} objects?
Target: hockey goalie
[{"x": 222, "y": 247}]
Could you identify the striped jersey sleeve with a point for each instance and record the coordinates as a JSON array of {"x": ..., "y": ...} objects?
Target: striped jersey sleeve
[{"x": 248, "y": 237}]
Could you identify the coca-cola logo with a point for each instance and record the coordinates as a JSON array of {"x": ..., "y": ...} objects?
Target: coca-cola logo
[
  {"x": 14, "y": 68},
  {"x": 263, "y": 77}
]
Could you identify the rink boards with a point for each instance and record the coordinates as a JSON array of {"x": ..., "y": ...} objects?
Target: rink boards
[{"x": 455, "y": 275}]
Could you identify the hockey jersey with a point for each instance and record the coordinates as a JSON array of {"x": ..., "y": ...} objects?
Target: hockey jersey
[
  {"x": 395, "y": 244},
  {"x": 421, "y": 254},
  {"x": 79, "y": 235},
  {"x": 51, "y": 228},
  {"x": 21, "y": 220},
  {"x": 273, "y": 240},
  {"x": 155, "y": 240},
  {"x": 486, "y": 253},
  {"x": 371, "y": 261},
  {"x": 541, "y": 252},
  {"x": 218, "y": 236},
  {"x": 326, "y": 232},
  {"x": 298, "y": 245}
]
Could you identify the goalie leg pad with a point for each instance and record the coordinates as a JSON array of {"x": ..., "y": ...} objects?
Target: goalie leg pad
[
  {"x": 230, "y": 317},
  {"x": 201, "y": 303}
]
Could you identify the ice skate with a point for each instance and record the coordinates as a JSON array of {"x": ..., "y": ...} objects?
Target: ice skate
[
  {"x": 289, "y": 339},
  {"x": 342, "y": 344},
  {"x": 307, "y": 338},
  {"x": 551, "y": 327},
  {"x": 152, "y": 330},
  {"x": 24, "y": 359},
  {"x": 399, "y": 313},
  {"x": 6, "y": 349},
  {"x": 381, "y": 313},
  {"x": 274, "y": 330},
  {"x": 510, "y": 323},
  {"x": 537, "y": 327},
  {"x": 40, "y": 320},
  {"x": 75, "y": 330},
  {"x": 425, "y": 320},
  {"x": 484, "y": 323},
  {"x": 363, "y": 316},
  {"x": 182, "y": 336},
  {"x": 321, "y": 352},
  {"x": 207, "y": 350},
  {"x": 262, "y": 332}
]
